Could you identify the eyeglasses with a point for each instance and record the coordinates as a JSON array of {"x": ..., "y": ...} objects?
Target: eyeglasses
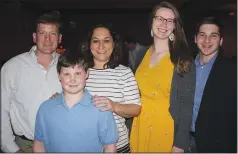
[{"x": 160, "y": 19}]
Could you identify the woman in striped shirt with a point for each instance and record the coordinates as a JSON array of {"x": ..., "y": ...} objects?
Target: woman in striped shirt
[{"x": 113, "y": 85}]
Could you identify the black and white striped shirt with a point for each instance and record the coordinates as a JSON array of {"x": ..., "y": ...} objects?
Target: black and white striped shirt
[{"x": 120, "y": 86}]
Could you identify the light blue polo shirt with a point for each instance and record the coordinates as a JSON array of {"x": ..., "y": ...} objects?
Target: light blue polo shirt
[{"x": 83, "y": 128}]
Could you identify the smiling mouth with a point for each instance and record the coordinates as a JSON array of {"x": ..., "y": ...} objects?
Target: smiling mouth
[
  {"x": 47, "y": 45},
  {"x": 206, "y": 46},
  {"x": 101, "y": 53},
  {"x": 162, "y": 30}
]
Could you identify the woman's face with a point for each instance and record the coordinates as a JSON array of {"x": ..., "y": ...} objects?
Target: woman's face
[
  {"x": 101, "y": 45},
  {"x": 163, "y": 23}
]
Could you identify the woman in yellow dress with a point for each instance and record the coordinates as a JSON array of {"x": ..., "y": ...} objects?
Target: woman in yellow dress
[{"x": 166, "y": 79}]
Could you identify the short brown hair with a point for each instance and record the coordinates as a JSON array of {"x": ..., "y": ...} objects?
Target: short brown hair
[
  {"x": 72, "y": 57},
  {"x": 50, "y": 18}
]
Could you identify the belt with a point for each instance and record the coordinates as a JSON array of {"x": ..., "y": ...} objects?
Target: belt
[
  {"x": 192, "y": 134},
  {"x": 24, "y": 138}
]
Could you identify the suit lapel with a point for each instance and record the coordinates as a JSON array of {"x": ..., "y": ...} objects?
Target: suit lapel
[{"x": 210, "y": 90}]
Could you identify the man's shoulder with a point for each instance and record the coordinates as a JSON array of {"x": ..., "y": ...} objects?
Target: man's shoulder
[
  {"x": 50, "y": 103},
  {"x": 17, "y": 59},
  {"x": 141, "y": 47},
  {"x": 226, "y": 63},
  {"x": 142, "y": 50},
  {"x": 15, "y": 63},
  {"x": 20, "y": 58}
]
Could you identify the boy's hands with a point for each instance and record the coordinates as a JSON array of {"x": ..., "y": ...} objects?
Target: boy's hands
[{"x": 104, "y": 103}]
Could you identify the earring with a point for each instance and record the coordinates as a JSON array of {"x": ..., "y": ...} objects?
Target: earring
[
  {"x": 151, "y": 33},
  {"x": 171, "y": 37}
]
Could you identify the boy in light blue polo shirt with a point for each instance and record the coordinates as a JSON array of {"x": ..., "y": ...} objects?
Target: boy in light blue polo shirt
[{"x": 70, "y": 122}]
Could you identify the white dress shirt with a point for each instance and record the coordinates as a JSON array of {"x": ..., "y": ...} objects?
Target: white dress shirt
[{"x": 25, "y": 84}]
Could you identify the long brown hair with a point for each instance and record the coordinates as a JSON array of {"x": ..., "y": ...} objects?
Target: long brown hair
[{"x": 181, "y": 56}]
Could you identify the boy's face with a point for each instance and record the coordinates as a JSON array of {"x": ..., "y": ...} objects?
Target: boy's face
[{"x": 73, "y": 79}]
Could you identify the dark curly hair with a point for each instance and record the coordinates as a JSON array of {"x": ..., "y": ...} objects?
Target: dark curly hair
[{"x": 116, "y": 55}]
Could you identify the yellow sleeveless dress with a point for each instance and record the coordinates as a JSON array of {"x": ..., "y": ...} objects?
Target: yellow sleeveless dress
[{"x": 153, "y": 130}]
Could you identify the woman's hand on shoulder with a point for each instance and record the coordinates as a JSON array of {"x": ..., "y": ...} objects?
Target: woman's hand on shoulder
[
  {"x": 104, "y": 103},
  {"x": 54, "y": 95}
]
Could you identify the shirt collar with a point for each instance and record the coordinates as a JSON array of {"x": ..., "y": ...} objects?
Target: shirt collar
[
  {"x": 197, "y": 61},
  {"x": 85, "y": 101},
  {"x": 137, "y": 46},
  {"x": 33, "y": 54}
]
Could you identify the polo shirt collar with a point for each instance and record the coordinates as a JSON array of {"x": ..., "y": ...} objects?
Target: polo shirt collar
[
  {"x": 85, "y": 101},
  {"x": 33, "y": 54}
]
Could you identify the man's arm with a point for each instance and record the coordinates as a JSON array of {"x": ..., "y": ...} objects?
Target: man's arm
[
  {"x": 7, "y": 138},
  {"x": 38, "y": 146},
  {"x": 110, "y": 148}
]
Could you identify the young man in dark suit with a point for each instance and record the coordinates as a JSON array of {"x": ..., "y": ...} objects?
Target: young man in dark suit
[{"x": 214, "y": 125}]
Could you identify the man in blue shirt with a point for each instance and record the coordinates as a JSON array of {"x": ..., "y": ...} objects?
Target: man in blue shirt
[
  {"x": 70, "y": 122},
  {"x": 214, "y": 113}
]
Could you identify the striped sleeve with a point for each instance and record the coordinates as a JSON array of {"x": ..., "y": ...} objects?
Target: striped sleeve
[{"x": 130, "y": 89}]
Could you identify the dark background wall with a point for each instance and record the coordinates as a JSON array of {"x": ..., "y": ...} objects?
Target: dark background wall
[{"x": 18, "y": 23}]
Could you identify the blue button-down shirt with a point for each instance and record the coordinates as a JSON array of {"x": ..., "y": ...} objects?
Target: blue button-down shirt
[{"x": 202, "y": 73}]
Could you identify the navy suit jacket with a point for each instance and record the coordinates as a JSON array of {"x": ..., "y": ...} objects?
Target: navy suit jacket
[{"x": 216, "y": 125}]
